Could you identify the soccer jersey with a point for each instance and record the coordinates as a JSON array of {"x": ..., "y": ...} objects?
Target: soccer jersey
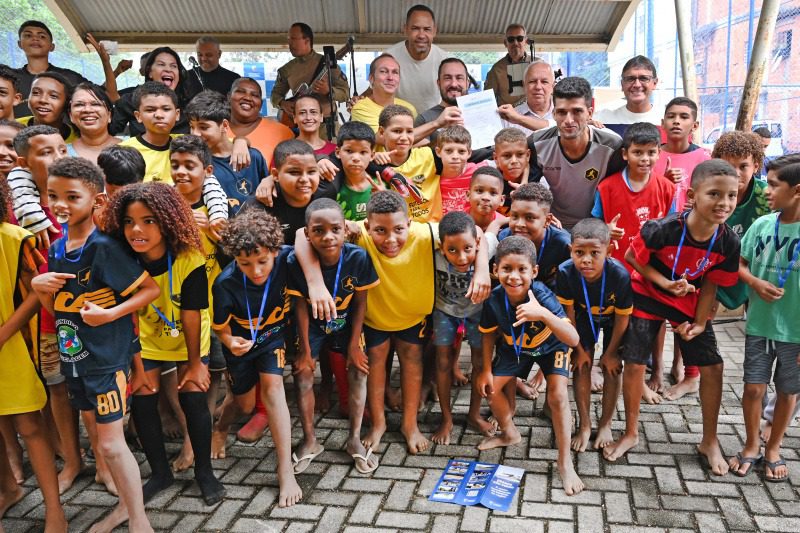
[
  {"x": 156, "y": 158},
  {"x": 291, "y": 218},
  {"x": 553, "y": 251},
  {"x": 105, "y": 274},
  {"x": 537, "y": 338},
  {"x": 686, "y": 161},
  {"x": 753, "y": 206},
  {"x": 406, "y": 293},
  {"x": 356, "y": 274},
  {"x": 210, "y": 251},
  {"x": 237, "y": 303},
  {"x": 420, "y": 168},
  {"x": 184, "y": 287},
  {"x": 573, "y": 182},
  {"x": 615, "y": 197},
  {"x": 455, "y": 191},
  {"x": 766, "y": 260},
  {"x": 452, "y": 285},
  {"x": 368, "y": 112},
  {"x": 658, "y": 245},
  {"x": 617, "y": 298},
  {"x": 354, "y": 203},
  {"x": 240, "y": 185}
]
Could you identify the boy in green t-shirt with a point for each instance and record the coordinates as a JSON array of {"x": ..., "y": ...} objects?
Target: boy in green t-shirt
[
  {"x": 770, "y": 266},
  {"x": 355, "y": 149}
]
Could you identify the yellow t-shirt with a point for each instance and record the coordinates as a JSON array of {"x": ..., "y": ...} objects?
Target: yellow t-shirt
[
  {"x": 156, "y": 158},
  {"x": 405, "y": 294},
  {"x": 367, "y": 111},
  {"x": 420, "y": 169},
  {"x": 213, "y": 267},
  {"x": 154, "y": 333}
]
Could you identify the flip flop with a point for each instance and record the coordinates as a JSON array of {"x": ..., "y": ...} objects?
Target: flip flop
[
  {"x": 364, "y": 458},
  {"x": 307, "y": 458},
  {"x": 772, "y": 466},
  {"x": 752, "y": 461}
]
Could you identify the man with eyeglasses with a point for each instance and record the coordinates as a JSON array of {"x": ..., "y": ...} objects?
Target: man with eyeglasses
[
  {"x": 507, "y": 76},
  {"x": 639, "y": 80}
]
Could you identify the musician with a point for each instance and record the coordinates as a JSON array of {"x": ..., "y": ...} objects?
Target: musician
[
  {"x": 506, "y": 76},
  {"x": 214, "y": 76},
  {"x": 304, "y": 68}
]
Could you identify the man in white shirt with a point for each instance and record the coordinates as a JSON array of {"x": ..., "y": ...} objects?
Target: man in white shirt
[
  {"x": 536, "y": 112},
  {"x": 639, "y": 80},
  {"x": 419, "y": 59}
]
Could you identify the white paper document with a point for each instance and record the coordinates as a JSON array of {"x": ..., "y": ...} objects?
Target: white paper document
[{"x": 479, "y": 111}]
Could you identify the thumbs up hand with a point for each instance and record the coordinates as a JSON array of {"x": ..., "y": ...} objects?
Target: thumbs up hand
[{"x": 675, "y": 174}]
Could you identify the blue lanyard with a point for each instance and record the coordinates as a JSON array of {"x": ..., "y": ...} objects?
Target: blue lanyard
[
  {"x": 513, "y": 318},
  {"x": 784, "y": 273},
  {"x": 330, "y": 323},
  {"x": 254, "y": 330},
  {"x": 62, "y": 253},
  {"x": 595, "y": 331},
  {"x": 171, "y": 323},
  {"x": 540, "y": 251},
  {"x": 703, "y": 263}
]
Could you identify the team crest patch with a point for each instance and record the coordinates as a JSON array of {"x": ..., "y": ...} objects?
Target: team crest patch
[
  {"x": 243, "y": 187},
  {"x": 592, "y": 174},
  {"x": 68, "y": 341},
  {"x": 418, "y": 179},
  {"x": 349, "y": 283},
  {"x": 84, "y": 276}
]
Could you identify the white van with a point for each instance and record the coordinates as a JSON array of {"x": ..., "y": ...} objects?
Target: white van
[{"x": 775, "y": 148}]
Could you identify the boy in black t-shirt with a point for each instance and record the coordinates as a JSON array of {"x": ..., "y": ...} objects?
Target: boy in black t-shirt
[
  {"x": 348, "y": 273},
  {"x": 545, "y": 335},
  {"x": 595, "y": 291},
  {"x": 679, "y": 261},
  {"x": 90, "y": 290}
]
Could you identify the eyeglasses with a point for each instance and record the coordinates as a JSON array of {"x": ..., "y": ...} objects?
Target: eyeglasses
[
  {"x": 511, "y": 38},
  {"x": 630, "y": 80}
]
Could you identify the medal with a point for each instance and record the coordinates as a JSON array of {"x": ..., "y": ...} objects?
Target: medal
[
  {"x": 332, "y": 325},
  {"x": 254, "y": 330},
  {"x": 595, "y": 331},
  {"x": 173, "y": 331}
]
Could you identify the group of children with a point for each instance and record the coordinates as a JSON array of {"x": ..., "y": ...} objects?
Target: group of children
[{"x": 398, "y": 249}]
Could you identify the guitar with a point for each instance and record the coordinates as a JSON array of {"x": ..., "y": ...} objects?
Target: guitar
[{"x": 304, "y": 88}]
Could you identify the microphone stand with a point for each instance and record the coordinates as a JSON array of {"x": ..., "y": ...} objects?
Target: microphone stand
[
  {"x": 330, "y": 121},
  {"x": 195, "y": 69},
  {"x": 352, "y": 40}
]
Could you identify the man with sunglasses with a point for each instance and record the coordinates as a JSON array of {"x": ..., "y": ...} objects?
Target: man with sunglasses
[
  {"x": 639, "y": 80},
  {"x": 506, "y": 76}
]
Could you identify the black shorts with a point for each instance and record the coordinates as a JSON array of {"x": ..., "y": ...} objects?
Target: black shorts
[
  {"x": 167, "y": 366},
  {"x": 243, "y": 373},
  {"x": 641, "y": 336},
  {"x": 505, "y": 364},
  {"x": 416, "y": 334},
  {"x": 105, "y": 394}
]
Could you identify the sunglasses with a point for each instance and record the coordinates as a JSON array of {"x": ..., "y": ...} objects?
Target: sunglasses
[{"x": 511, "y": 38}]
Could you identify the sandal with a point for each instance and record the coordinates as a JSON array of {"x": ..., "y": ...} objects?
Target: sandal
[
  {"x": 752, "y": 461},
  {"x": 364, "y": 458},
  {"x": 772, "y": 466}
]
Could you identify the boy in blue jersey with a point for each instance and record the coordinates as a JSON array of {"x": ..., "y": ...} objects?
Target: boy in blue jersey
[
  {"x": 209, "y": 118},
  {"x": 545, "y": 335},
  {"x": 595, "y": 291},
  {"x": 250, "y": 317},
  {"x": 348, "y": 273},
  {"x": 92, "y": 288}
]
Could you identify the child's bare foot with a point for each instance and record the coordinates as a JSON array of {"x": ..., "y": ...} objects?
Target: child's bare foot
[
  {"x": 597, "y": 379},
  {"x": 393, "y": 398},
  {"x": 459, "y": 378},
  {"x": 373, "y": 438},
  {"x": 105, "y": 479},
  {"x": 415, "y": 440},
  {"x": 322, "y": 398},
  {"x": 656, "y": 383},
  {"x": 484, "y": 427},
  {"x": 185, "y": 459},
  {"x": 713, "y": 455},
  {"x": 8, "y": 499},
  {"x": 218, "y": 442},
  {"x": 650, "y": 396},
  {"x": 569, "y": 478},
  {"x": 442, "y": 434},
  {"x": 526, "y": 390},
  {"x": 55, "y": 521},
  {"x": 365, "y": 461},
  {"x": 118, "y": 516},
  {"x": 581, "y": 440},
  {"x": 290, "y": 492},
  {"x": 617, "y": 449},
  {"x": 682, "y": 388},
  {"x": 170, "y": 426},
  {"x": 603, "y": 438},
  {"x": 766, "y": 431},
  {"x": 506, "y": 438},
  {"x": 67, "y": 477}
]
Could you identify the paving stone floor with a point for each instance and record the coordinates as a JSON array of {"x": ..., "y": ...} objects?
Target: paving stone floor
[{"x": 660, "y": 486}]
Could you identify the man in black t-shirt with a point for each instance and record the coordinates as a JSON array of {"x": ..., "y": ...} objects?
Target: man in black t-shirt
[{"x": 214, "y": 76}]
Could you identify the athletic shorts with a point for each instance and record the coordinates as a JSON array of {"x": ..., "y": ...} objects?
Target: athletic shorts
[
  {"x": 445, "y": 328},
  {"x": 641, "y": 337},
  {"x": 105, "y": 394},
  {"x": 50, "y": 359},
  {"x": 761, "y": 353},
  {"x": 416, "y": 334},
  {"x": 505, "y": 364},
  {"x": 243, "y": 372},
  {"x": 167, "y": 366}
]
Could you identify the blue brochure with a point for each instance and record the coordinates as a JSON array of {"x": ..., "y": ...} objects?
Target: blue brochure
[{"x": 470, "y": 482}]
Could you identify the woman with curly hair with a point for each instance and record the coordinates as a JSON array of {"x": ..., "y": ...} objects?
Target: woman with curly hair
[{"x": 159, "y": 228}]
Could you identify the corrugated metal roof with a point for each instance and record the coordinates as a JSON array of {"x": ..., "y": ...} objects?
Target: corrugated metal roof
[{"x": 262, "y": 24}]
